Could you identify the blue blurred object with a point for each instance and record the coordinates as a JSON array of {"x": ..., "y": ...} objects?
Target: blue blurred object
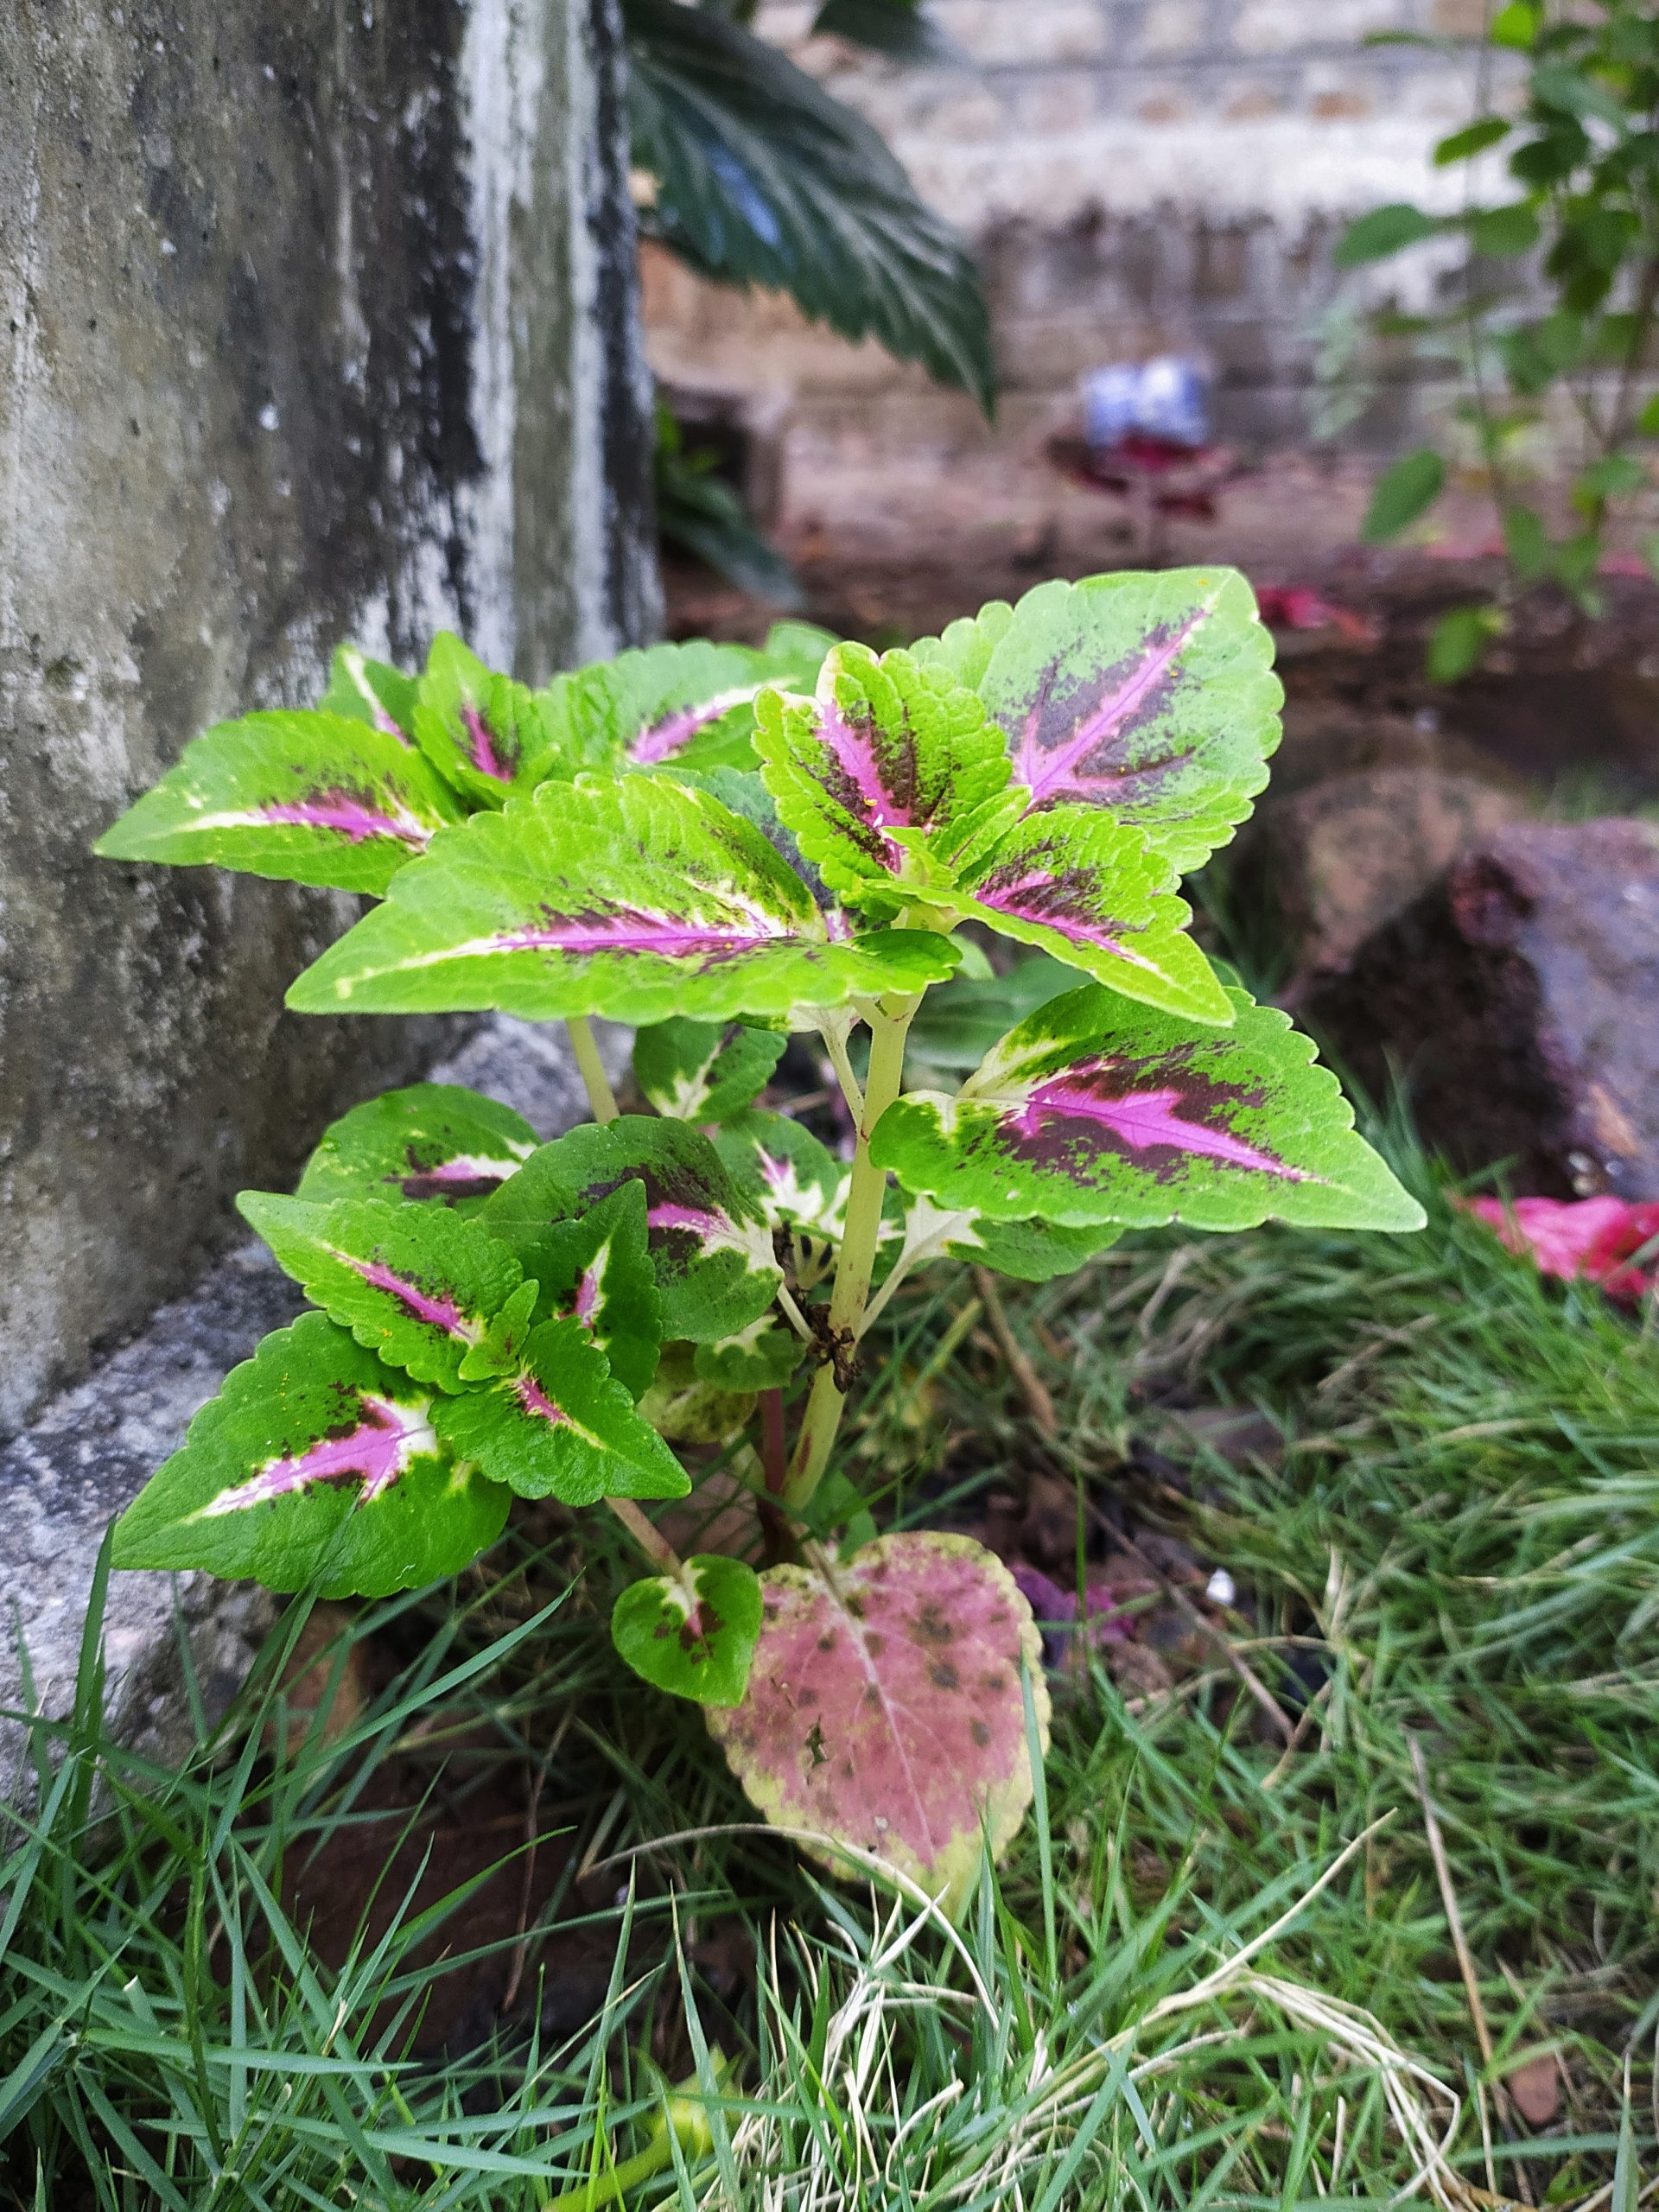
[{"x": 1167, "y": 398}]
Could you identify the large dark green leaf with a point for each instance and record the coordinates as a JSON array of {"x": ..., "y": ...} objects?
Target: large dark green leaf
[{"x": 764, "y": 179}]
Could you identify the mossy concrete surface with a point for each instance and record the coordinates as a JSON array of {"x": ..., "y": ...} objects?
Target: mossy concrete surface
[{"x": 317, "y": 323}]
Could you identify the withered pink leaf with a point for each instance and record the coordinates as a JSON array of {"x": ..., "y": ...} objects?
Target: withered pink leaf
[{"x": 885, "y": 1710}]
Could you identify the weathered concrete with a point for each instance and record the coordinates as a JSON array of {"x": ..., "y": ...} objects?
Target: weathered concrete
[
  {"x": 317, "y": 322},
  {"x": 88, "y": 1455}
]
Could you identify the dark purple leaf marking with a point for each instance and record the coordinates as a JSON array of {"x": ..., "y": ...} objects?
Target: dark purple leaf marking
[
  {"x": 355, "y": 815},
  {"x": 441, "y": 1311},
  {"x": 468, "y": 1175},
  {"x": 1141, "y": 1121},
  {"x": 661, "y": 741},
  {"x": 482, "y": 742},
  {"x": 874, "y": 776},
  {"x": 375, "y": 1451},
  {"x": 707, "y": 1223},
  {"x": 1073, "y": 743},
  {"x": 1065, "y": 902}
]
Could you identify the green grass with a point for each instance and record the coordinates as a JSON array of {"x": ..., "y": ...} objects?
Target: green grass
[{"x": 1460, "y": 1539}]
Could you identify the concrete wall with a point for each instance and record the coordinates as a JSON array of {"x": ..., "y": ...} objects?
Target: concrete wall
[
  {"x": 317, "y": 320},
  {"x": 1140, "y": 176}
]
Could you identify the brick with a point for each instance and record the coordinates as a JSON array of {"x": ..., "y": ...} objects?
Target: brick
[
  {"x": 1172, "y": 27},
  {"x": 1017, "y": 31}
]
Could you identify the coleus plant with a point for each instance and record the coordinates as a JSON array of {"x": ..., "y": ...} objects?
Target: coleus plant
[{"x": 723, "y": 846}]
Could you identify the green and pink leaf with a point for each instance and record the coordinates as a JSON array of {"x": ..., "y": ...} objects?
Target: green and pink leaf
[
  {"x": 417, "y": 1285},
  {"x": 710, "y": 1244},
  {"x": 692, "y": 1634},
  {"x": 308, "y": 797},
  {"x": 1094, "y": 1111},
  {"x": 314, "y": 1461},
  {"x": 885, "y": 776},
  {"x": 637, "y": 898},
  {"x": 1089, "y": 890},
  {"x": 429, "y": 1142},
  {"x": 1151, "y": 695},
  {"x": 561, "y": 1426},
  {"x": 488, "y": 736}
]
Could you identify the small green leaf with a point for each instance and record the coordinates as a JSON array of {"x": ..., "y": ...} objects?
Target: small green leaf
[
  {"x": 1527, "y": 542},
  {"x": 428, "y": 1142},
  {"x": 597, "y": 1268},
  {"x": 693, "y": 1633},
  {"x": 1403, "y": 492},
  {"x": 306, "y": 797},
  {"x": 1474, "y": 139},
  {"x": 1615, "y": 476},
  {"x": 366, "y": 690},
  {"x": 1460, "y": 640},
  {"x": 793, "y": 1178},
  {"x": 561, "y": 1426},
  {"x": 416, "y": 1284},
  {"x": 1383, "y": 231},
  {"x": 1504, "y": 232},
  {"x": 704, "y": 1071},
  {"x": 313, "y": 1460},
  {"x": 486, "y": 734},
  {"x": 500, "y": 1347},
  {"x": 884, "y": 775},
  {"x": 1574, "y": 93},
  {"x": 1647, "y": 421},
  {"x": 1650, "y": 553},
  {"x": 710, "y": 1243},
  {"x": 1516, "y": 26}
]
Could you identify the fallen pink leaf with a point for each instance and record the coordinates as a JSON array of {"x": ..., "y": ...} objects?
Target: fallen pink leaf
[{"x": 1595, "y": 1238}]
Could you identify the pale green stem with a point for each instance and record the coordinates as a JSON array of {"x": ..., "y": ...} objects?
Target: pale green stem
[
  {"x": 600, "y": 1098},
  {"x": 836, "y": 1046},
  {"x": 688, "y": 2124},
  {"x": 645, "y": 1533},
  {"x": 859, "y": 1240},
  {"x": 797, "y": 1319},
  {"x": 912, "y": 1256}
]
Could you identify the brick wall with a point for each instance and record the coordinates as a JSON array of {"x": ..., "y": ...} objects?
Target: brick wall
[{"x": 1139, "y": 176}]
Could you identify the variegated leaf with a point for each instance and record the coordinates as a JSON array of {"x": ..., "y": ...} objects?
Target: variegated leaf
[
  {"x": 690, "y": 705},
  {"x": 307, "y": 797},
  {"x": 418, "y": 1285},
  {"x": 597, "y": 1269},
  {"x": 704, "y": 1071},
  {"x": 1089, "y": 890},
  {"x": 1030, "y": 1251},
  {"x": 1093, "y": 1111},
  {"x": 560, "y": 1425},
  {"x": 692, "y": 1633},
  {"x": 709, "y": 1243},
  {"x": 1153, "y": 696},
  {"x": 795, "y": 1180},
  {"x": 885, "y": 776},
  {"x": 761, "y": 1357},
  {"x": 886, "y": 1709},
  {"x": 636, "y": 898},
  {"x": 366, "y": 690},
  {"x": 428, "y": 1141},
  {"x": 314, "y": 1460},
  {"x": 487, "y": 736}
]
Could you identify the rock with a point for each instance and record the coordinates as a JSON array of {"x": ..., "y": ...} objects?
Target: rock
[
  {"x": 1343, "y": 856},
  {"x": 1536, "y": 2090},
  {"x": 1521, "y": 996}
]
